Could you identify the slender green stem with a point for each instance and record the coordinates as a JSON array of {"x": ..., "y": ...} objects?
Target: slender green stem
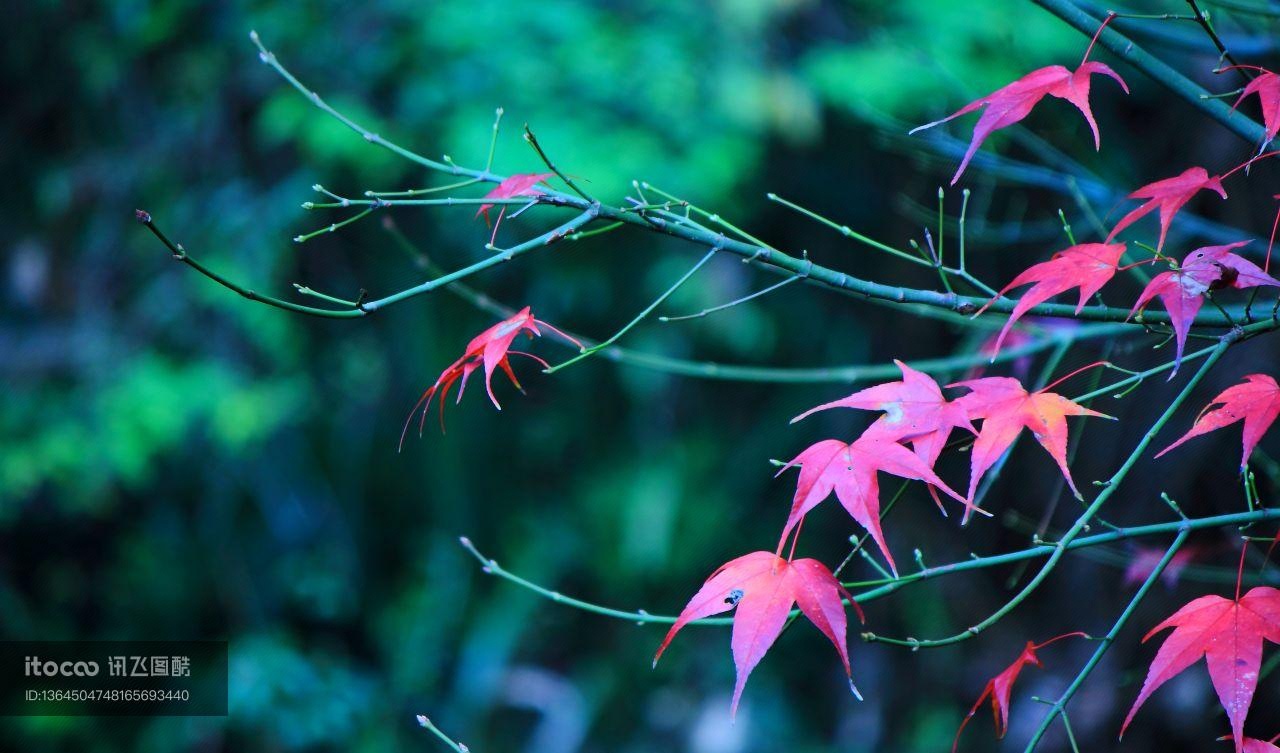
[
  {"x": 754, "y": 252},
  {"x": 268, "y": 57},
  {"x": 334, "y": 227},
  {"x": 427, "y": 724},
  {"x": 883, "y": 588},
  {"x": 735, "y": 372},
  {"x": 849, "y": 232},
  {"x": 712, "y": 217},
  {"x": 588, "y": 352},
  {"x": 732, "y": 303},
  {"x": 533, "y": 142},
  {"x": 1252, "y": 9},
  {"x": 1059, "y": 707},
  {"x": 181, "y": 255}
]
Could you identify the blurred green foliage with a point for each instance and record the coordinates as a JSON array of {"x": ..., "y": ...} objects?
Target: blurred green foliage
[{"x": 177, "y": 462}]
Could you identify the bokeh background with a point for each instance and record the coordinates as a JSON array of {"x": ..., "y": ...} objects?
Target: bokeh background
[{"x": 178, "y": 462}]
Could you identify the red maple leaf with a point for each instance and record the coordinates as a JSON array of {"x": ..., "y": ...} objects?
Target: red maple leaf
[
  {"x": 850, "y": 471},
  {"x": 1229, "y": 634},
  {"x": 763, "y": 586},
  {"x": 999, "y": 688},
  {"x": 1256, "y": 401},
  {"x": 1006, "y": 408},
  {"x": 1267, "y": 87},
  {"x": 1087, "y": 266},
  {"x": 1013, "y": 102},
  {"x": 1182, "y": 290},
  {"x": 490, "y": 349},
  {"x": 915, "y": 411},
  {"x": 1169, "y": 195},
  {"x": 520, "y": 184}
]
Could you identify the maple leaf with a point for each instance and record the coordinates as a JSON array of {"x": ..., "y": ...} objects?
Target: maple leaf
[
  {"x": 999, "y": 688},
  {"x": 1229, "y": 634},
  {"x": 850, "y": 471},
  {"x": 1256, "y": 400},
  {"x": 520, "y": 184},
  {"x": 1147, "y": 558},
  {"x": 1014, "y": 101},
  {"x": 763, "y": 586},
  {"x": 1169, "y": 195},
  {"x": 1182, "y": 290},
  {"x": 1006, "y": 408},
  {"x": 915, "y": 411},
  {"x": 490, "y": 349},
  {"x": 1087, "y": 266},
  {"x": 1267, "y": 87},
  {"x": 1252, "y": 745}
]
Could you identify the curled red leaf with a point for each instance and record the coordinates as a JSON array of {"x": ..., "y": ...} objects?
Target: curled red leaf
[
  {"x": 1000, "y": 688},
  {"x": 1087, "y": 266},
  {"x": 1014, "y": 101},
  {"x": 490, "y": 349},
  {"x": 1169, "y": 196}
]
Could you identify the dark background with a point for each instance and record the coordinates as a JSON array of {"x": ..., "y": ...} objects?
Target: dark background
[{"x": 177, "y": 462}]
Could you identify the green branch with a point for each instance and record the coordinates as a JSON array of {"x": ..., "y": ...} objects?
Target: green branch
[
  {"x": 1059, "y": 707},
  {"x": 762, "y": 255},
  {"x": 640, "y": 616}
]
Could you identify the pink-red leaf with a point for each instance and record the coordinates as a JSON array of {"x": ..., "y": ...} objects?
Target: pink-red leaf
[
  {"x": 1000, "y": 688},
  {"x": 1147, "y": 558},
  {"x": 1229, "y": 635},
  {"x": 1014, "y": 101},
  {"x": 1203, "y": 270},
  {"x": 1087, "y": 266},
  {"x": 915, "y": 411},
  {"x": 1169, "y": 196},
  {"x": 520, "y": 184},
  {"x": 1256, "y": 401},
  {"x": 1006, "y": 408},
  {"x": 763, "y": 587},
  {"x": 850, "y": 471},
  {"x": 490, "y": 349},
  {"x": 1267, "y": 87}
]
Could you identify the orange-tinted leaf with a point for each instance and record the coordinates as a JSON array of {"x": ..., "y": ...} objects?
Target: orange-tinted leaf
[
  {"x": 1256, "y": 401},
  {"x": 1087, "y": 266},
  {"x": 763, "y": 587},
  {"x": 1006, "y": 408},
  {"x": 1229, "y": 635}
]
